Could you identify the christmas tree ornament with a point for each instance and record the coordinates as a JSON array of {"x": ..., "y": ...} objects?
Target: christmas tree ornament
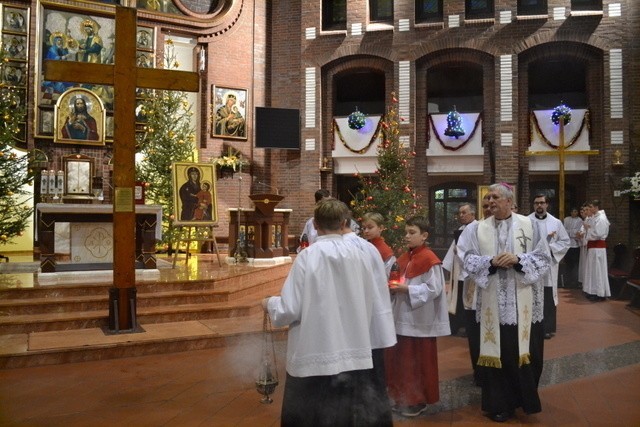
[
  {"x": 454, "y": 124},
  {"x": 357, "y": 120},
  {"x": 561, "y": 110},
  {"x": 389, "y": 188}
]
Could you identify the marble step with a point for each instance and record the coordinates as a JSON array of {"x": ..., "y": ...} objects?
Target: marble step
[
  {"x": 220, "y": 280},
  {"x": 78, "y": 345},
  {"x": 100, "y": 301},
  {"x": 66, "y": 320}
]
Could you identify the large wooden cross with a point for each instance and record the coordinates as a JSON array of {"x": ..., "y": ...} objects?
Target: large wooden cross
[
  {"x": 125, "y": 77},
  {"x": 561, "y": 153}
]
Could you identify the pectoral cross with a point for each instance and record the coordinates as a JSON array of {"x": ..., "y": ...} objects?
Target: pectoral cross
[
  {"x": 561, "y": 153},
  {"x": 125, "y": 78},
  {"x": 523, "y": 240}
]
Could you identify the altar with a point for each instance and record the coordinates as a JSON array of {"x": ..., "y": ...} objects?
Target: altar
[{"x": 91, "y": 236}]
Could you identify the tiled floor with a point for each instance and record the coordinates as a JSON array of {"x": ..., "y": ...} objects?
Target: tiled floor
[{"x": 591, "y": 378}]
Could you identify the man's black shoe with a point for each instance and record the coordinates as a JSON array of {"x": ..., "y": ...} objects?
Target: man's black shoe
[
  {"x": 547, "y": 336},
  {"x": 500, "y": 417}
]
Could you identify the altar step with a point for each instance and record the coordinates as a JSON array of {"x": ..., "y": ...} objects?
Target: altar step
[{"x": 49, "y": 325}]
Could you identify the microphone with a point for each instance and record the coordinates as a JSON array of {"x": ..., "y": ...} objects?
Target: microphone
[{"x": 265, "y": 185}]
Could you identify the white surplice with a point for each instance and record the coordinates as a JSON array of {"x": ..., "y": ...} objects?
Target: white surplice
[
  {"x": 596, "y": 276},
  {"x": 559, "y": 244},
  {"x": 327, "y": 301}
]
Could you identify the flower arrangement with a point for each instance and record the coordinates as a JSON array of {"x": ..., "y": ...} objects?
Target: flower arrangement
[
  {"x": 634, "y": 182},
  {"x": 230, "y": 161}
]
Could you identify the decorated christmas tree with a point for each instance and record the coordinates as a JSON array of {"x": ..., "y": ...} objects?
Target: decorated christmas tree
[
  {"x": 14, "y": 167},
  {"x": 168, "y": 137},
  {"x": 390, "y": 190}
]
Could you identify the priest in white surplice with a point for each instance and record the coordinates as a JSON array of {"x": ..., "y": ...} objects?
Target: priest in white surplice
[
  {"x": 507, "y": 257},
  {"x": 596, "y": 276},
  {"x": 573, "y": 224},
  {"x": 330, "y": 301},
  {"x": 559, "y": 242},
  {"x": 461, "y": 293}
]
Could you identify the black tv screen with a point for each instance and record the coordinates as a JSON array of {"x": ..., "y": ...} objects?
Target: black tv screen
[{"x": 277, "y": 128}]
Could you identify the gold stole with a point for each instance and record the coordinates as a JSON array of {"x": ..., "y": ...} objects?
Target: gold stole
[{"x": 490, "y": 318}]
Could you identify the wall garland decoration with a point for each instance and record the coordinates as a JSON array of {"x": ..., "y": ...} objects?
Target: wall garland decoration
[
  {"x": 432, "y": 128},
  {"x": 536, "y": 127},
  {"x": 336, "y": 130}
]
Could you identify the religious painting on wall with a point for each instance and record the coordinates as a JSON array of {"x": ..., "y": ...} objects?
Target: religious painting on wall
[
  {"x": 16, "y": 46},
  {"x": 14, "y": 38},
  {"x": 194, "y": 194},
  {"x": 79, "y": 118},
  {"x": 145, "y": 39},
  {"x": 15, "y": 74},
  {"x": 73, "y": 36},
  {"x": 15, "y": 19},
  {"x": 229, "y": 112}
]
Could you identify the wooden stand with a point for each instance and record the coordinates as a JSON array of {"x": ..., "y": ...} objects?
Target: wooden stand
[
  {"x": 265, "y": 230},
  {"x": 185, "y": 235}
]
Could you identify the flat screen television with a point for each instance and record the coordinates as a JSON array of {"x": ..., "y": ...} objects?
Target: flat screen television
[{"x": 277, "y": 128}]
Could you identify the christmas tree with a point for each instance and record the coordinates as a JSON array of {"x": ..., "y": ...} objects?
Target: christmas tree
[
  {"x": 14, "y": 168},
  {"x": 390, "y": 190},
  {"x": 168, "y": 137}
]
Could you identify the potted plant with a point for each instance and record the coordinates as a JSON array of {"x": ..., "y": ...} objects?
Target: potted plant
[{"x": 634, "y": 186}]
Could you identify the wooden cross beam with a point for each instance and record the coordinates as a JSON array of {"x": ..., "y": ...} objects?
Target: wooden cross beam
[
  {"x": 125, "y": 77},
  {"x": 561, "y": 153}
]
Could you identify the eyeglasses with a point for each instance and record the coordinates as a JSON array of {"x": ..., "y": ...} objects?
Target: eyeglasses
[{"x": 539, "y": 203}]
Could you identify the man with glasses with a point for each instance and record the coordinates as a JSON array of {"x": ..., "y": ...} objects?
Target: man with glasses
[{"x": 559, "y": 242}]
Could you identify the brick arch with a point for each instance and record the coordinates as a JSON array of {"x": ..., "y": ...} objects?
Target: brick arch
[
  {"x": 353, "y": 51},
  {"x": 560, "y": 49},
  {"x": 342, "y": 66},
  {"x": 454, "y": 56},
  {"x": 353, "y": 63},
  {"x": 457, "y": 56},
  {"x": 569, "y": 40},
  {"x": 593, "y": 59}
]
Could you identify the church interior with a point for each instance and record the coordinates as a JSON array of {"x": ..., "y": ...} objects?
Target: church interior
[{"x": 223, "y": 118}]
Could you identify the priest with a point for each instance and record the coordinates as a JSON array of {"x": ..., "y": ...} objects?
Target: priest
[
  {"x": 507, "y": 257},
  {"x": 559, "y": 242}
]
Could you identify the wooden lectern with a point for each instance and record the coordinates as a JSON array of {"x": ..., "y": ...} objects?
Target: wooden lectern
[{"x": 263, "y": 232}]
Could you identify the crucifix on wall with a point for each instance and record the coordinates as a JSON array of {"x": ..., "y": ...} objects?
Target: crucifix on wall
[
  {"x": 125, "y": 77},
  {"x": 561, "y": 152}
]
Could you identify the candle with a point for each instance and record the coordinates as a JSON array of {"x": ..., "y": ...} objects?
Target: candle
[
  {"x": 44, "y": 182},
  {"x": 60, "y": 182},
  {"x": 52, "y": 182}
]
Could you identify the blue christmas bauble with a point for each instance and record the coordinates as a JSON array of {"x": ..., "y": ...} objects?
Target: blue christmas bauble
[
  {"x": 454, "y": 124},
  {"x": 356, "y": 120},
  {"x": 561, "y": 110}
]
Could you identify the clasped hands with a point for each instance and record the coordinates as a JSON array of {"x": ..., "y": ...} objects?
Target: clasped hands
[{"x": 504, "y": 260}]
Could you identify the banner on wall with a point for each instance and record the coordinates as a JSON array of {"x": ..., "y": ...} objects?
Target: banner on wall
[
  {"x": 355, "y": 150},
  {"x": 471, "y": 123},
  {"x": 544, "y": 134}
]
